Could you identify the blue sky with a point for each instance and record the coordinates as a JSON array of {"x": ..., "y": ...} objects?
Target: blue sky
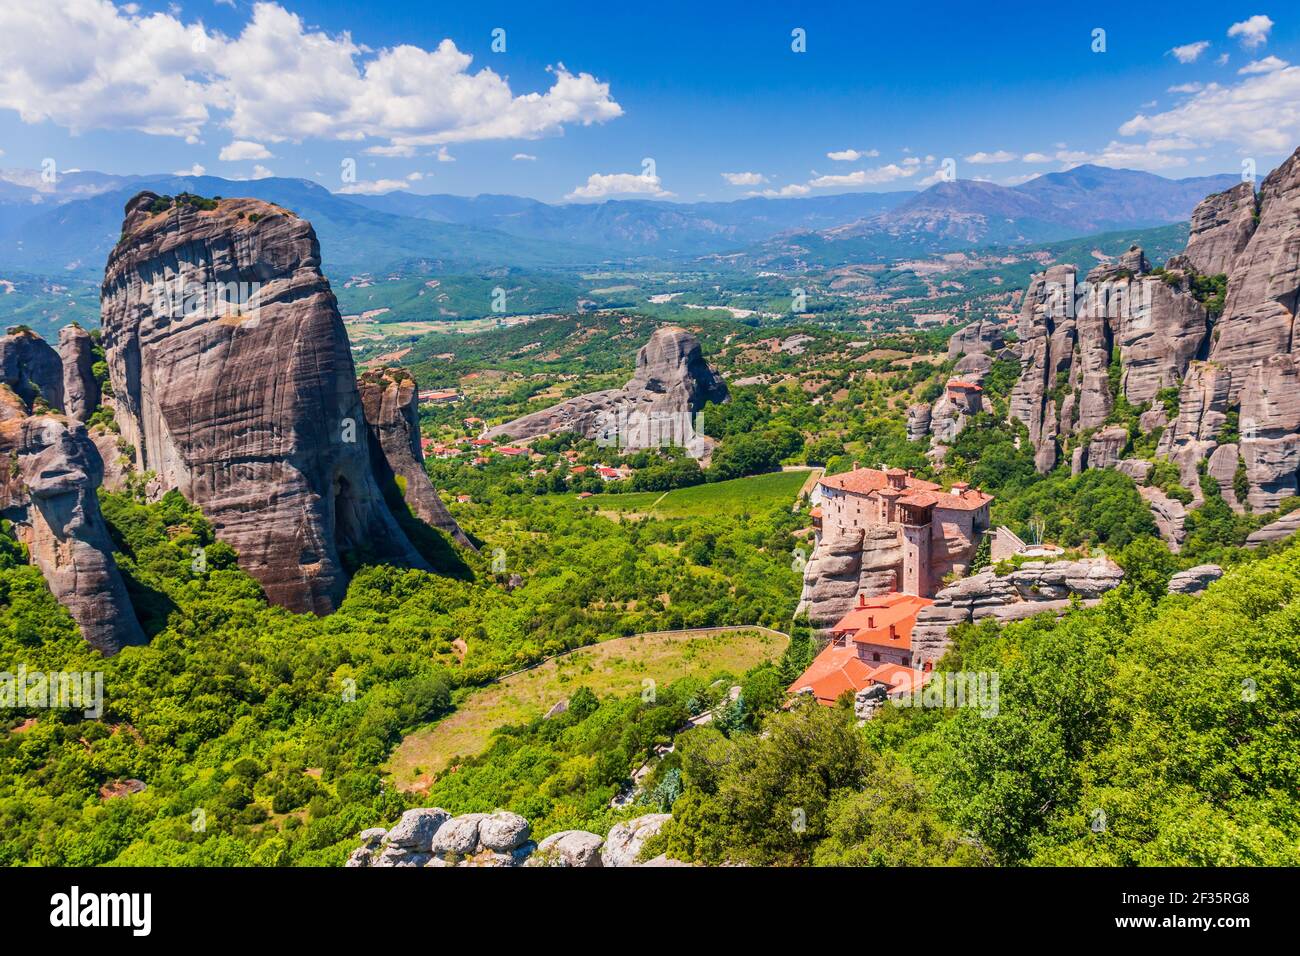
[{"x": 588, "y": 92}]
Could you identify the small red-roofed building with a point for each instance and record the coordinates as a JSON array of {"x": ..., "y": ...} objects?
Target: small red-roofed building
[
  {"x": 512, "y": 451},
  {"x": 871, "y": 646}
]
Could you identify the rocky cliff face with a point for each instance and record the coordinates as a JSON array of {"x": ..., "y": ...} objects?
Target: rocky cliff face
[
  {"x": 1074, "y": 333},
  {"x": 1264, "y": 281},
  {"x": 233, "y": 381},
  {"x": 390, "y": 399},
  {"x": 31, "y": 370},
  {"x": 866, "y": 560},
  {"x": 656, "y": 407},
  {"x": 1220, "y": 229},
  {"x": 1242, "y": 361}
]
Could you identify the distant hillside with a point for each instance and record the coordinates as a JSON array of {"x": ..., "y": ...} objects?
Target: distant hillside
[
  {"x": 641, "y": 227},
  {"x": 967, "y": 213}
]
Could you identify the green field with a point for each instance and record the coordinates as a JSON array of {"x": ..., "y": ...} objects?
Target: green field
[
  {"x": 617, "y": 666},
  {"x": 740, "y": 496}
]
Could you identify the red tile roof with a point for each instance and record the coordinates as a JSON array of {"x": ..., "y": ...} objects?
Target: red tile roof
[
  {"x": 884, "y": 621},
  {"x": 919, "y": 492},
  {"x": 837, "y": 669},
  {"x": 863, "y": 480},
  {"x": 832, "y": 672}
]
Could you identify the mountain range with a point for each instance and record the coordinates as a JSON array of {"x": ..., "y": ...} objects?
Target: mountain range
[{"x": 71, "y": 228}]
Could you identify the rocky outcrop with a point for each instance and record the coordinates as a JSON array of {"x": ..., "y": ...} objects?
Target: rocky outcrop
[
  {"x": 1032, "y": 589},
  {"x": 31, "y": 370},
  {"x": 432, "y": 837},
  {"x": 1222, "y": 467},
  {"x": 47, "y": 488},
  {"x": 918, "y": 422},
  {"x": 626, "y": 840},
  {"x": 233, "y": 381},
  {"x": 390, "y": 399},
  {"x": 1195, "y": 580},
  {"x": 1220, "y": 229},
  {"x": 973, "y": 349},
  {"x": 1170, "y": 516},
  {"x": 868, "y": 560},
  {"x": 1264, "y": 282},
  {"x": 655, "y": 408},
  {"x": 80, "y": 387},
  {"x": 1106, "y": 447},
  {"x": 1277, "y": 530},
  {"x": 1135, "y": 468},
  {"x": 1047, "y": 335}
]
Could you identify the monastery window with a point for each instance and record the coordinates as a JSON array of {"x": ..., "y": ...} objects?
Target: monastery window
[{"x": 875, "y": 656}]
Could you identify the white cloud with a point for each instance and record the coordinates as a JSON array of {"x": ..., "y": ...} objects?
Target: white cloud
[
  {"x": 524, "y": 157},
  {"x": 1270, "y": 64},
  {"x": 195, "y": 170},
  {"x": 1222, "y": 60},
  {"x": 745, "y": 179},
  {"x": 998, "y": 156},
  {"x": 277, "y": 80},
  {"x": 603, "y": 185},
  {"x": 1186, "y": 88},
  {"x": 243, "y": 149},
  {"x": 852, "y": 155},
  {"x": 1035, "y": 158},
  {"x": 865, "y": 177},
  {"x": 1190, "y": 52},
  {"x": 1155, "y": 154},
  {"x": 1017, "y": 180},
  {"x": 794, "y": 189},
  {"x": 392, "y": 151},
  {"x": 1253, "y": 32},
  {"x": 414, "y": 177},
  {"x": 444, "y": 156},
  {"x": 373, "y": 187},
  {"x": 1261, "y": 112}
]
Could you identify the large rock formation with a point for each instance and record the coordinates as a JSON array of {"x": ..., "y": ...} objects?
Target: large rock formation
[
  {"x": 49, "y": 470},
  {"x": 1264, "y": 281},
  {"x": 1034, "y": 588},
  {"x": 1072, "y": 334},
  {"x": 390, "y": 399},
  {"x": 1194, "y": 580},
  {"x": 655, "y": 408},
  {"x": 80, "y": 388},
  {"x": 1240, "y": 362},
  {"x": 233, "y": 381}
]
